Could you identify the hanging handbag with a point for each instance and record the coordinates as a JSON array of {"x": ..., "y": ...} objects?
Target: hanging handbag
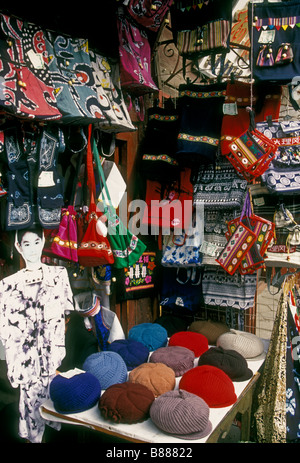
[
  {"x": 64, "y": 240},
  {"x": 169, "y": 207},
  {"x": 220, "y": 186},
  {"x": 126, "y": 247},
  {"x": 201, "y": 112},
  {"x": 106, "y": 73},
  {"x": 275, "y": 38},
  {"x": 26, "y": 86},
  {"x": 148, "y": 13},
  {"x": 181, "y": 289},
  {"x": 252, "y": 152},
  {"x": 184, "y": 250},
  {"x": 228, "y": 291},
  {"x": 135, "y": 57},
  {"x": 72, "y": 76}
]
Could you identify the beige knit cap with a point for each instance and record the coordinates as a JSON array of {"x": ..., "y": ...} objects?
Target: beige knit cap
[
  {"x": 247, "y": 344},
  {"x": 210, "y": 329},
  {"x": 157, "y": 377}
]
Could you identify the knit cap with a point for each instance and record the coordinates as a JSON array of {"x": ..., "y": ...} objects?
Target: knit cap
[
  {"x": 181, "y": 414},
  {"x": 210, "y": 329},
  {"x": 191, "y": 340},
  {"x": 74, "y": 394},
  {"x": 247, "y": 344},
  {"x": 126, "y": 403},
  {"x": 211, "y": 384},
  {"x": 230, "y": 361},
  {"x": 172, "y": 323},
  {"x": 180, "y": 359},
  {"x": 152, "y": 335},
  {"x": 133, "y": 352},
  {"x": 157, "y": 377},
  {"x": 108, "y": 367}
]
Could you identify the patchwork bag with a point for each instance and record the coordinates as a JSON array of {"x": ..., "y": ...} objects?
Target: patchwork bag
[
  {"x": 135, "y": 57},
  {"x": 252, "y": 152},
  {"x": 220, "y": 289},
  {"x": 148, "y": 13},
  {"x": 106, "y": 74},
  {"x": 26, "y": 86},
  {"x": 275, "y": 40},
  {"x": 73, "y": 80}
]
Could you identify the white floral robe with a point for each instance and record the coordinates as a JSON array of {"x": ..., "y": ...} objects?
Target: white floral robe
[{"x": 32, "y": 329}]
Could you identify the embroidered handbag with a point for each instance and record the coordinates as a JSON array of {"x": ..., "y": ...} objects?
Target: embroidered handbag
[
  {"x": 126, "y": 247},
  {"x": 199, "y": 136},
  {"x": 229, "y": 291},
  {"x": 106, "y": 73},
  {"x": 72, "y": 76},
  {"x": 26, "y": 86},
  {"x": 239, "y": 243},
  {"x": 159, "y": 144},
  {"x": 148, "y": 13},
  {"x": 220, "y": 186},
  {"x": 135, "y": 57},
  {"x": 64, "y": 244},
  {"x": 169, "y": 207},
  {"x": 252, "y": 152},
  {"x": 275, "y": 38},
  {"x": 184, "y": 250}
]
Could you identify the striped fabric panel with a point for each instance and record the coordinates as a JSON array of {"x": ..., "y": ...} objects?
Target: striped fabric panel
[
  {"x": 277, "y": 22},
  {"x": 215, "y": 35}
]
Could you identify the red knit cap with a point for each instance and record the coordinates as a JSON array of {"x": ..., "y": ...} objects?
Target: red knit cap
[
  {"x": 196, "y": 342},
  {"x": 211, "y": 384}
]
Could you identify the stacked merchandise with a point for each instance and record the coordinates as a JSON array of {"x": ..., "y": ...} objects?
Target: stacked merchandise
[{"x": 172, "y": 380}]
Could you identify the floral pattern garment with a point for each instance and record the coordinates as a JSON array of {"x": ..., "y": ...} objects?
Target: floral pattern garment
[{"x": 32, "y": 329}]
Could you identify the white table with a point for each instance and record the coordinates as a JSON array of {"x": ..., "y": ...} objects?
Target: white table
[{"x": 147, "y": 432}]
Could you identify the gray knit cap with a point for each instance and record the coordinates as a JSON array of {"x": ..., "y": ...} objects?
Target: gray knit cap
[
  {"x": 180, "y": 359},
  {"x": 247, "y": 344},
  {"x": 181, "y": 414}
]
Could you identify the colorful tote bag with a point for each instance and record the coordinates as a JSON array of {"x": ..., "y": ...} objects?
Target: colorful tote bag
[
  {"x": 73, "y": 80},
  {"x": 108, "y": 87},
  {"x": 135, "y": 57},
  {"x": 127, "y": 248},
  {"x": 64, "y": 240},
  {"x": 201, "y": 28},
  {"x": 26, "y": 86},
  {"x": 275, "y": 36},
  {"x": 149, "y": 13},
  {"x": 238, "y": 245}
]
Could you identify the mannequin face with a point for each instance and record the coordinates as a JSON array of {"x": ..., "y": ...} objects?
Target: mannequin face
[{"x": 30, "y": 248}]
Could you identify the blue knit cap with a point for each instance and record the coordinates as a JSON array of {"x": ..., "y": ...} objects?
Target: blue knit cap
[
  {"x": 75, "y": 394},
  {"x": 108, "y": 367},
  {"x": 133, "y": 352},
  {"x": 152, "y": 335}
]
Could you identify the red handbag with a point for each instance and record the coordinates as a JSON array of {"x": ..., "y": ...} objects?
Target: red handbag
[{"x": 170, "y": 207}]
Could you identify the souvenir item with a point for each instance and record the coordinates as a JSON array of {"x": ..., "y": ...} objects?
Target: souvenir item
[
  {"x": 274, "y": 36},
  {"x": 64, "y": 244},
  {"x": 135, "y": 57},
  {"x": 147, "y": 13}
]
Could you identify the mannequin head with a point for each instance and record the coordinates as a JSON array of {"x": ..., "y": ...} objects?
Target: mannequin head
[{"x": 29, "y": 243}]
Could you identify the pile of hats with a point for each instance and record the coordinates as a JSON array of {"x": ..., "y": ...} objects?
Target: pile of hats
[{"x": 137, "y": 377}]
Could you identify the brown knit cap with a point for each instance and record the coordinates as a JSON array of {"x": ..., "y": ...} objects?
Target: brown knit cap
[
  {"x": 210, "y": 329},
  {"x": 157, "y": 377}
]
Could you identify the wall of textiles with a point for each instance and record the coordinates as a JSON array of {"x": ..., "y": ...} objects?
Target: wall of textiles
[{"x": 85, "y": 129}]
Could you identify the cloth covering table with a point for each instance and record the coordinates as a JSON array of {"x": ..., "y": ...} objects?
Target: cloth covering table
[{"x": 147, "y": 432}]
